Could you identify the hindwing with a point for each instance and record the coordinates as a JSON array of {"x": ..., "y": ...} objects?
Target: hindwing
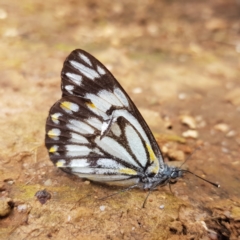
[{"x": 95, "y": 130}]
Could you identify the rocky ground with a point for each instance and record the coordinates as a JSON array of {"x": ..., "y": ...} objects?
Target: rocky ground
[{"x": 179, "y": 62}]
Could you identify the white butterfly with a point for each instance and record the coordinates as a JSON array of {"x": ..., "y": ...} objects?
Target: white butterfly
[{"x": 96, "y": 132}]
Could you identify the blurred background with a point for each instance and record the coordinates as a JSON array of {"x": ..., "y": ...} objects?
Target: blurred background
[{"x": 178, "y": 61}]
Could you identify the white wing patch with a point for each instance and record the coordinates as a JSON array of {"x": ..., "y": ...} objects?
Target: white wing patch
[
  {"x": 82, "y": 162},
  {"x": 77, "y": 79},
  {"x": 69, "y": 107},
  {"x": 80, "y": 127},
  {"x": 76, "y": 150},
  {"x": 95, "y": 110},
  {"x": 76, "y": 138},
  {"x": 96, "y": 123},
  {"x": 121, "y": 96},
  {"x": 110, "y": 98},
  {"x": 109, "y": 163},
  {"x": 96, "y": 150},
  {"x": 133, "y": 121},
  {"x": 54, "y": 133},
  {"x": 85, "y": 59},
  {"x": 98, "y": 102},
  {"x": 107, "y": 178},
  {"x": 86, "y": 71},
  {"x": 77, "y": 170},
  {"x": 55, "y": 117},
  {"x": 112, "y": 147},
  {"x": 69, "y": 88},
  {"x": 136, "y": 145},
  {"x": 116, "y": 130},
  {"x": 100, "y": 70}
]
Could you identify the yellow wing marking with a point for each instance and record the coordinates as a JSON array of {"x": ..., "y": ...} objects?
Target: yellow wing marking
[
  {"x": 154, "y": 168},
  {"x": 66, "y": 105},
  {"x": 151, "y": 153},
  {"x": 54, "y": 116},
  {"x": 53, "y": 149},
  {"x": 52, "y": 134},
  {"x": 91, "y": 105},
  {"x": 59, "y": 164},
  {"x": 128, "y": 171}
]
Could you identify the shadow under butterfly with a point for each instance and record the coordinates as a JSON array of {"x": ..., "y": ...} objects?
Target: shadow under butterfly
[{"x": 96, "y": 132}]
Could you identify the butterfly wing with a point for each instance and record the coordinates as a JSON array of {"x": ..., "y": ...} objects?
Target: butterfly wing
[{"x": 95, "y": 131}]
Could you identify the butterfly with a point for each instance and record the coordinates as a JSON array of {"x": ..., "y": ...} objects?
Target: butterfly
[{"x": 96, "y": 132}]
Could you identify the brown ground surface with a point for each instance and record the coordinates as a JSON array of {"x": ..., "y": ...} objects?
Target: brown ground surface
[{"x": 174, "y": 58}]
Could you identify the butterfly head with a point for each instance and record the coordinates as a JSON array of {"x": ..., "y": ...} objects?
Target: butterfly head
[
  {"x": 176, "y": 173},
  {"x": 173, "y": 173}
]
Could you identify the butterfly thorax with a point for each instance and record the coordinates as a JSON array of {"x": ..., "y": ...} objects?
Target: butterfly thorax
[{"x": 167, "y": 175}]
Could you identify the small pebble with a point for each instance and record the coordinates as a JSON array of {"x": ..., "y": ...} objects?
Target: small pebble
[
  {"x": 189, "y": 121},
  {"x": 3, "y": 14},
  {"x": 102, "y": 208},
  {"x": 48, "y": 182},
  {"x": 10, "y": 182},
  {"x": 182, "y": 96},
  {"x": 176, "y": 155},
  {"x": 190, "y": 134},
  {"x": 222, "y": 127},
  {"x": 225, "y": 150},
  {"x": 137, "y": 90},
  {"x": 161, "y": 206},
  {"x": 11, "y": 32},
  {"x": 201, "y": 123},
  {"x": 231, "y": 133},
  {"x": 22, "y": 208}
]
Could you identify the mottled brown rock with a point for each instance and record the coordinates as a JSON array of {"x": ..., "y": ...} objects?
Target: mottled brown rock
[{"x": 5, "y": 206}]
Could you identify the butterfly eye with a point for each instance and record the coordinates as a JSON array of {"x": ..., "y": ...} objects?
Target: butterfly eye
[{"x": 175, "y": 174}]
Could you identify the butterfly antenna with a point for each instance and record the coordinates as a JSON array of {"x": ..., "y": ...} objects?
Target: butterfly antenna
[
  {"x": 123, "y": 190},
  {"x": 212, "y": 183}
]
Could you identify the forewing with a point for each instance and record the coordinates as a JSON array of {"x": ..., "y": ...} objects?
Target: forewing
[{"x": 96, "y": 122}]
